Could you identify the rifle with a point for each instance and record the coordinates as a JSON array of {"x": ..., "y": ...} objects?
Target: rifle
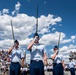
[
  {"x": 37, "y": 21},
  {"x": 36, "y": 33},
  {"x": 59, "y": 41},
  {"x": 12, "y": 31}
]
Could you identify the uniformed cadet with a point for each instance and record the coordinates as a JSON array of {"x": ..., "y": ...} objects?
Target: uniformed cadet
[
  {"x": 72, "y": 66},
  {"x": 17, "y": 59},
  {"x": 58, "y": 62},
  {"x": 38, "y": 54}
]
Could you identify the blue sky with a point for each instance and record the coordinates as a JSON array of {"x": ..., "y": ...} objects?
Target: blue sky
[{"x": 53, "y": 17}]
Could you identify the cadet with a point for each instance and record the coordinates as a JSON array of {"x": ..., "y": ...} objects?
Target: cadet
[
  {"x": 16, "y": 56},
  {"x": 58, "y": 62},
  {"x": 38, "y": 54},
  {"x": 72, "y": 66}
]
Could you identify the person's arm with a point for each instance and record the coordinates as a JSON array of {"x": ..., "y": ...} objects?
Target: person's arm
[
  {"x": 63, "y": 64},
  {"x": 30, "y": 45},
  {"x": 22, "y": 58},
  {"x": 9, "y": 51},
  {"x": 74, "y": 65},
  {"x": 54, "y": 55},
  {"x": 45, "y": 59},
  {"x": 22, "y": 62}
]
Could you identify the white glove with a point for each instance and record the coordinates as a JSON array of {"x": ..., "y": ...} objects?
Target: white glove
[
  {"x": 64, "y": 72},
  {"x": 36, "y": 38},
  {"x": 14, "y": 45},
  {"x": 56, "y": 51}
]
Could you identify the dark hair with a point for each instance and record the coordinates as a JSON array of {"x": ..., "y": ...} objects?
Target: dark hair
[
  {"x": 70, "y": 58},
  {"x": 55, "y": 46},
  {"x": 36, "y": 34},
  {"x": 16, "y": 41}
]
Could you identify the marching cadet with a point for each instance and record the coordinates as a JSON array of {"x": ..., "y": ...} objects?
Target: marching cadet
[
  {"x": 58, "y": 62},
  {"x": 17, "y": 59},
  {"x": 38, "y": 54},
  {"x": 72, "y": 66}
]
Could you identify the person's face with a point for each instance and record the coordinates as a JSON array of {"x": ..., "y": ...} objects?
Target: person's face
[
  {"x": 70, "y": 60},
  {"x": 36, "y": 39},
  {"x": 16, "y": 45},
  {"x": 55, "y": 49}
]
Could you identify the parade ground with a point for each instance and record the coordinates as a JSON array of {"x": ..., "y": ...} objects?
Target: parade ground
[{"x": 46, "y": 73}]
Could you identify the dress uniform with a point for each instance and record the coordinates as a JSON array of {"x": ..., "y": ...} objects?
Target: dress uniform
[
  {"x": 71, "y": 66},
  {"x": 16, "y": 56},
  {"x": 38, "y": 53},
  {"x": 58, "y": 62}
]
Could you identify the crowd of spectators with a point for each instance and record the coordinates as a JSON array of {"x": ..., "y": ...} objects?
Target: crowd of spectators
[{"x": 5, "y": 59}]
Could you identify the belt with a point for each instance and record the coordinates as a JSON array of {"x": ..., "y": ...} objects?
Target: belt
[
  {"x": 57, "y": 64},
  {"x": 15, "y": 62},
  {"x": 72, "y": 68},
  {"x": 36, "y": 60}
]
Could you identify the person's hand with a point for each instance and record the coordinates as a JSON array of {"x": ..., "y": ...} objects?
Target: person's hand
[
  {"x": 56, "y": 52},
  {"x": 14, "y": 45},
  {"x": 21, "y": 69},
  {"x": 22, "y": 65},
  {"x": 64, "y": 69},
  {"x": 36, "y": 38}
]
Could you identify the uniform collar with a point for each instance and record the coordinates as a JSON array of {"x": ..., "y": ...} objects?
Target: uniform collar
[
  {"x": 36, "y": 44},
  {"x": 16, "y": 48}
]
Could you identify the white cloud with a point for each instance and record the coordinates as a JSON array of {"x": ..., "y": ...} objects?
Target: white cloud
[
  {"x": 0, "y": 13},
  {"x": 13, "y": 12},
  {"x": 53, "y": 29},
  {"x": 52, "y": 38},
  {"x": 5, "y": 11},
  {"x": 47, "y": 21},
  {"x": 71, "y": 46},
  {"x": 73, "y": 37},
  {"x": 64, "y": 49},
  {"x": 5, "y": 44},
  {"x": 60, "y": 24},
  {"x": 44, "y": 30},
  {"x": 25, "y": 42},
  {"x": 17, "y": 8},
  {"x": 66, "y": 41}
]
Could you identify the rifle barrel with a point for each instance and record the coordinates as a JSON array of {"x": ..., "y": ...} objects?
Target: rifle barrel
[
  {"x": 12, "y": 31},
  {"x": 37, "y": 20},
  {"x": 59, "y": 41}
]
